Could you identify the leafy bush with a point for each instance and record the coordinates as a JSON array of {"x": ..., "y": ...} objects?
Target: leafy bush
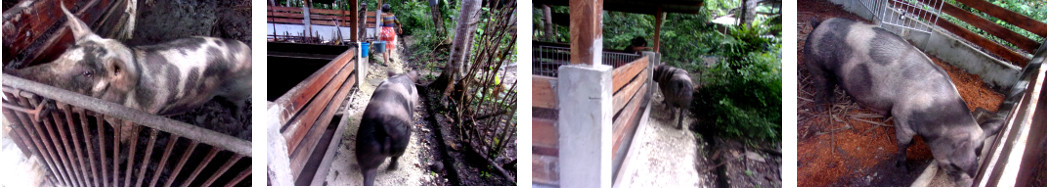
[{"x": 742, "y": 96}]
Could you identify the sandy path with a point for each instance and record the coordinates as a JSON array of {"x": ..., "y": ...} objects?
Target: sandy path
[
  {"x": 411, "y": 170},
  {"x": 667, "y": 157}
]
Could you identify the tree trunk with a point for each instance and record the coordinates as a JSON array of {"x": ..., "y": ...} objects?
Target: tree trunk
[
  {"x": 437, "y": 16},
  {"x": 748, "y": 11},
  {"x": 549, "y": 27},
  {"x": 463, "y": 40}
]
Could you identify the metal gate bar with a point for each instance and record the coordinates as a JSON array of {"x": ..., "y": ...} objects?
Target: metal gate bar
[{"x": 45, "y": 120}]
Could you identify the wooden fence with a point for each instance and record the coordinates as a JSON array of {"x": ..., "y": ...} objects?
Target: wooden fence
[
  {"x": 294, "y": 15},
  {"x": 1024, "y": 44},
  {"x": 630, "y": 83},
  {"x": 306, "y": 112},
  {"x": 36, "y": 32}
]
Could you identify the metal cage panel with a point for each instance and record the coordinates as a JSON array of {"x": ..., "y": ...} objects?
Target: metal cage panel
[{"x": 85, "y": 141}]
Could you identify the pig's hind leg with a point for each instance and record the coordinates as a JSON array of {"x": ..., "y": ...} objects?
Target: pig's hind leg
[
  {"x": 904, "y": 135},
  {"x": 824, "y": 82}
]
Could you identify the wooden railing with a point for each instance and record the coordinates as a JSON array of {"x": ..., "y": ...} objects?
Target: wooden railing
[
  {"x": 630, "y": 96},
  {"x": 545, "y": 147},
  {"x": 294, "y": 15},
  {"x": 1024, "y": 44},
  {"x": 307, "y": 110},
  {"x": 37, "y": 33}
]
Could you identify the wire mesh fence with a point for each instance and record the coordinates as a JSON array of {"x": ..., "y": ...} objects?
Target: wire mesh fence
[
  {"x": 917, "y": 15},
  {"x": 548, "y": 58}
]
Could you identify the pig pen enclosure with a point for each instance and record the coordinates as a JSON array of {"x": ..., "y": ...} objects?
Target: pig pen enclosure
[
  {"x": 320, "y": 85},
  {"x": 849, "y": 145},
  {"x": 85, "y": 141}
]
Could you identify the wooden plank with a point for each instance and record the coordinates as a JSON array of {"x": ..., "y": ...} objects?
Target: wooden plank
[
  {"x": 25, "y": 29},
  {"x": 991, "y": 47},
  {"x": 304, "y": 121},
  {"x": 544, "y": 132},
  {"x": 622, "y": 97},
  {"x": 627, "y": 121},
  {"x": 544, "y": 170},
  {"x": 299, "y": 21},
  {"x": 543, "y": 95},
  {"x": 300, "y": 156},
  {"x": 1029, "y": 24},
  {"x": 586, "y": 30},
  {"x": 295, "y": 130},
  {"x": 622, "y": 75},
  {"x": 297, "y": 97},
  {"x": 994, "y": 29}
]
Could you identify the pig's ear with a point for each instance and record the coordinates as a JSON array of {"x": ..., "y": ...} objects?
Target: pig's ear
[
  {"x": 79, "y": 28},
  {"x": 120, "y": 76}
]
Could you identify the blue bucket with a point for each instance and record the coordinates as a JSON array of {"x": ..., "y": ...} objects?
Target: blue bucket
[
  {"x": 364, "y": 46},
  {"x": 379, "y": 46}
]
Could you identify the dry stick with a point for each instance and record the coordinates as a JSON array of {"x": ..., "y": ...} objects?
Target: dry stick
[{"x": 497, "y": 167}]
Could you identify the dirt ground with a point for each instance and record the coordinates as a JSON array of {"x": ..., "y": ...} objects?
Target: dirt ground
[
  {"x": 414, "y": 165},
  {"x": 667, "y": 157},
  {"x": 160, "y": 21},
  {"x": 857, "y": 148}
]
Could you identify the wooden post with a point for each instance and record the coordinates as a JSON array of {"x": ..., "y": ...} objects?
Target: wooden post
[
  {"x": 586, "y": 31},
  {"x": 378, "y": 20},
  {"x": 658, "y": 17},
  {"x": 354, "y": 12},
  {"x": 306, "y": 20}
]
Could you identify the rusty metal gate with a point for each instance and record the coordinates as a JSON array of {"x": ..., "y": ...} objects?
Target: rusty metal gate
[
  {"x": 84, "y": 141},
  {"x": 900, "y": 13}
]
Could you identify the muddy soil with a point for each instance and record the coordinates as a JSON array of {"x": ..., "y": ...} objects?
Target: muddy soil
[
  {"x": 849, "y": 145},
  {"x": 416, "y": 165},
  {"x": 160, "y": 21}
]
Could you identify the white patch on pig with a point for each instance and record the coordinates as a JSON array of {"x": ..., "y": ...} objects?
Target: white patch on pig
[
  {"x": 75, "y": 55},
  {"x": 859, "y": 38},
  {"x": 193, "y": 59},
  {"x": 99, "y": 87}
]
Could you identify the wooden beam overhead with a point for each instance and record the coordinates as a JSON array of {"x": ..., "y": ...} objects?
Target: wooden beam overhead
[{"x": 639, "y": 7}]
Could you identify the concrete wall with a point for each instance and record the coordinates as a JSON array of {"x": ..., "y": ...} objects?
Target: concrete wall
[
  {"x": 945, "y": 46},
  {"x": 585, "y": 96}
]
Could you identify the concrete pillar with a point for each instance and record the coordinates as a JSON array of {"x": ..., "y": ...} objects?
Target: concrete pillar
[
  {"x": 653, "y": 60},
  {"x": 361, "y": 63},
  {"x": 278, "y": 163},
  {"x": 584, "y": 92},
  {"x": 306, "y": 20}
]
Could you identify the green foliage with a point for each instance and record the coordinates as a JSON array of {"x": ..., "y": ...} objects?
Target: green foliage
[
  {"x": 742, "y": 96},
  {"x": 562, "y": 32},
  {"x": 742, "y": 91}
]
